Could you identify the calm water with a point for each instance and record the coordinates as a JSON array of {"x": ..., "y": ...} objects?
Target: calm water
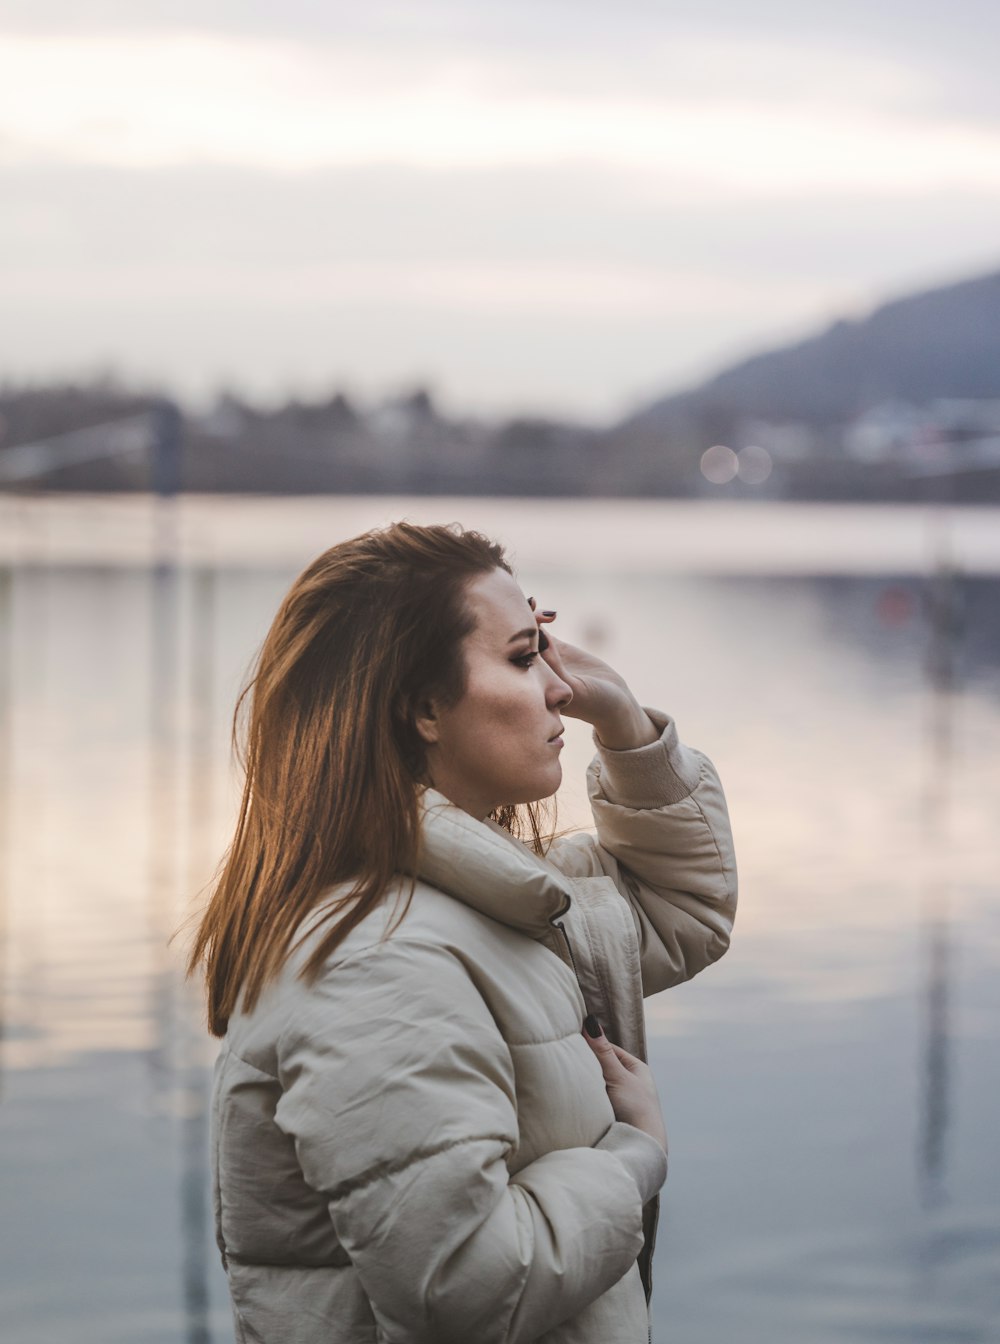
[{"x": 832, "y": 1087}]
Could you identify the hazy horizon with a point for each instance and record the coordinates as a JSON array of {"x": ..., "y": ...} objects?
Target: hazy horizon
[{"x": 528, "y": 208}]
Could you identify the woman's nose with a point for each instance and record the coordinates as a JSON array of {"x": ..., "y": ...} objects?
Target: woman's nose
[{"x": 557, "y": 692}]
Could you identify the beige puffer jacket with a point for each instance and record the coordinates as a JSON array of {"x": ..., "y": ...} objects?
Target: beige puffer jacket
[{"x": 419, "y": 1148}]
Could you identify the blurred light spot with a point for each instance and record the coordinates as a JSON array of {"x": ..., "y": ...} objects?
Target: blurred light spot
[
  {"x": 754, "y": 464},
  {"x": 719, "y": 464}
]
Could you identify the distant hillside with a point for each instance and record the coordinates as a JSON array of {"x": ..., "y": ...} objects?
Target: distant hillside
[
  {"x": 943, "y": 343},
  {"x": 904, "y": 405}
]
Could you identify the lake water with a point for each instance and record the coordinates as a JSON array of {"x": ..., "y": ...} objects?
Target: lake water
[{"x": 832, "y": 1087}]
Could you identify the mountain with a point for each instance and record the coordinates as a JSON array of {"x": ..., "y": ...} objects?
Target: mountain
[
  {"x": 901, "y": 405},
  {"x": 942, "y": 343}
]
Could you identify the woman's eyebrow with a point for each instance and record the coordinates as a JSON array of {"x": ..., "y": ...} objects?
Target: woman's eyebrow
[{"x": 531, "y": 631}]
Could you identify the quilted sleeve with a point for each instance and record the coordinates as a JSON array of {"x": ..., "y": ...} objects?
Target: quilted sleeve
[
  {"x": 664, "y": 838},
  {"x": 398, "y": 1091}
]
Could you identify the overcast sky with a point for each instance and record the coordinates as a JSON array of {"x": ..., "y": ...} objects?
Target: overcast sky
[{"x": 534, "y": 205}]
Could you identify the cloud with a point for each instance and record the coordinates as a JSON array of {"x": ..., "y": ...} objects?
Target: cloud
[
  {"x": 544, "y": 204},
  {"x": 66, "y": 219},
  {"x": 190, "y": 98},
  {"x": 951, "y": 49},
  {"x": 571, "y": 290}
]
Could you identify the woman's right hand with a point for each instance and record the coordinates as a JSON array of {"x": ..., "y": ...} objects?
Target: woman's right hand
[{"x": 629, "y": 1082}]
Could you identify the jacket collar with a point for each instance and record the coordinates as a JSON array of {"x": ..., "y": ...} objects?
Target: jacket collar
[{"x": 484, "y": 866}]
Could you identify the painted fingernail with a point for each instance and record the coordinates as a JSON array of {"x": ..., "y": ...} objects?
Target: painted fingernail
[
  {"x": 543, "y": 641},
  {"x": 592, "y": 1027},
  {"x": 552, "y": 614},
  {"x": 531, "y": 603}
]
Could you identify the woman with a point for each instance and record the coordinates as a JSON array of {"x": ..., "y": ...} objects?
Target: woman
[{"x": 414, "y": 1139}]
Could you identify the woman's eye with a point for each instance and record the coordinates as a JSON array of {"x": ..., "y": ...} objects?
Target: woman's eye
[{"x": 525, "y": 659}]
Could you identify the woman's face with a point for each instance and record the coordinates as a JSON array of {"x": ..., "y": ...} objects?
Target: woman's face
[{"x": 500, "y": 742}]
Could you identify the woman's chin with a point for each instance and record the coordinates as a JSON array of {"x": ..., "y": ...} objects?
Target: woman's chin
[{"x": 546, "y": 788}]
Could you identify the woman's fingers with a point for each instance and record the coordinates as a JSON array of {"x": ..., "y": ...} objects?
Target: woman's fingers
[
  {"x": 542, "y": 617},
  {"x": 609, "y": 1056},
  {"x": 629, "y": 1083},
  {"x": 615, "y": 1062},
  {"x": 627, "y": 1061}
]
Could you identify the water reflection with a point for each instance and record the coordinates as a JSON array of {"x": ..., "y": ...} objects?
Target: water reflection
[
  {"x": 936, "y": 1053},
  {"x": 165, "y": 823},
  {"x": 859, "y": 755},
  {"x": 945, "y": 610},
  {"x": 6, "y": 621},
  {"x": 180, "y": 737},
  {"x": 196, "y": 1236}
]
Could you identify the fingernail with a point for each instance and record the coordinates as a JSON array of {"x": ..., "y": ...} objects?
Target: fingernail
[
  {"x": 592, "y": 1027},
  {"x": 553, "y": 614},
  {"x": 531, "y": 603},
  {"x": 543, "y": 641}
]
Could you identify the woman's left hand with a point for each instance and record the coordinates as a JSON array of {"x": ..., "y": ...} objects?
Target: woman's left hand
[{"x": 601, "y": 696}]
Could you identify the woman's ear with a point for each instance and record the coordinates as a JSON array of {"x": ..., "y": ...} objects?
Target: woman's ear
[{"x": 425, "y": 720}]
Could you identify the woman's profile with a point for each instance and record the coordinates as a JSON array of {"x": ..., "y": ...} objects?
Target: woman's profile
[{"x": 432, "y": 1122}]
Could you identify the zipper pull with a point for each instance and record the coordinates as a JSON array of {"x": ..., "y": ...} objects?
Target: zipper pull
[{"x": 558, "y": 924}]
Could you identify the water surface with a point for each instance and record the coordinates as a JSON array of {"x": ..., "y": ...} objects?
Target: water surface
[{"x": 831, "y": 1087}]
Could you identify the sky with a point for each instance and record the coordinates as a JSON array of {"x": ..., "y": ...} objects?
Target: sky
[{"x": 529, "y": 206}]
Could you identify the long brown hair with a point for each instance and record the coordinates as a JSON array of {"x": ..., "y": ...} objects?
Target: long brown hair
[{"x": 333, "y": 760}]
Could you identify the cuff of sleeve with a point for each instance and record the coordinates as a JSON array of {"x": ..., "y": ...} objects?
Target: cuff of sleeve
[
  {"x": 664, "y": 772},
  {"x": 642, "y": 1157}
]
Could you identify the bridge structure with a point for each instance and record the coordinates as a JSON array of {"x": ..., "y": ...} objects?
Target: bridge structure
[{"x": 156, "y": 434}]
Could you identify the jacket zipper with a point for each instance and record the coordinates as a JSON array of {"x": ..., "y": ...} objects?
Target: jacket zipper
[{"x": 556, "y": 923}]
